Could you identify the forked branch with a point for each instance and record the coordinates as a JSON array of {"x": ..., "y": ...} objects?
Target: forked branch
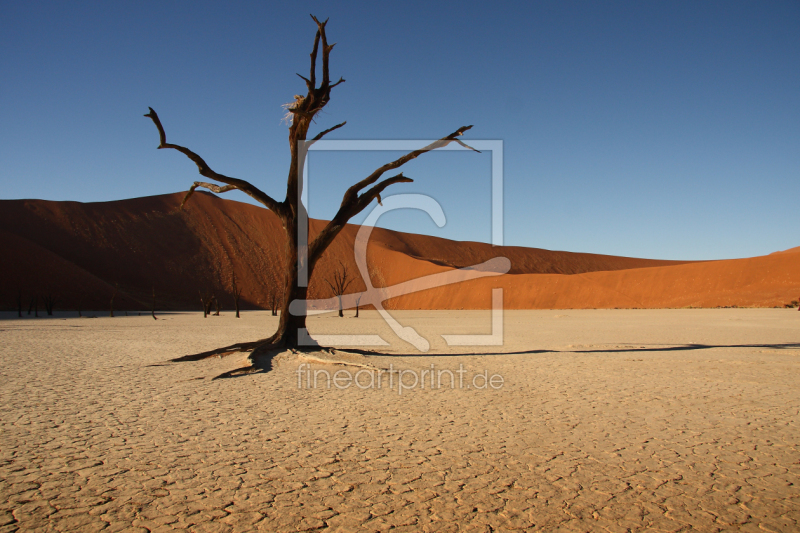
[
  {"x": 326, "y": 50},
  {"x": 205, "y": 170},
  {"x": 210, "y": 186},
  {"x": 352, "y": 192},
  {"x": 355, "y": 201}
]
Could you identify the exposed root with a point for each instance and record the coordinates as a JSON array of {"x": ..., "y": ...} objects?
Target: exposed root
[
  {"x": 337, "y": 358},
  {"x": 259, "y": 361},
  {"x": 263, "y": 353}
]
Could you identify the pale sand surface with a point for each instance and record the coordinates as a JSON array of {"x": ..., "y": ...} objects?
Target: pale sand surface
[{"x": 599, "y": 426}]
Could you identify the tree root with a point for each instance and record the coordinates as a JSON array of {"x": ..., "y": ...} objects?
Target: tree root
[{"x": 263, "y": 351}]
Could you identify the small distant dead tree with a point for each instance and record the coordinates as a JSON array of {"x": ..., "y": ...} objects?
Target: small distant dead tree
[
  {"x": 237, "y": 292},
  {"x": 206, "y": 301},
  {"x": 302, "y": 255},
  {"x": 113, "y": 295},
  {"x": 341, "y": 280},
  {"x": 153, "y": 307},
  {"x": 216, "y": 304},
  {"x": 276, "y": 299}
]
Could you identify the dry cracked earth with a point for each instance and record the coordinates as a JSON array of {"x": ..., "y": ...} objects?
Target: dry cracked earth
[{"x": 683, "y": 420}]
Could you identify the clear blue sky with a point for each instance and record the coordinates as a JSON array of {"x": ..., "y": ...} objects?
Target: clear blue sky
[{"x": 650, "y": 129}]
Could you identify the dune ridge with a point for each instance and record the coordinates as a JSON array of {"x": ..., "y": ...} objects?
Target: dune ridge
[{"x": 80, "y": 253}]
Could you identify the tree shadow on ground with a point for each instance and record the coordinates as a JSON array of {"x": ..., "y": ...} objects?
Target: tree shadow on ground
[{"x": 262, "y": 357}]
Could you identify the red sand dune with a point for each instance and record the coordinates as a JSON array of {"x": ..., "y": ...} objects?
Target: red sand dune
[{"x": 79, "y": 253}]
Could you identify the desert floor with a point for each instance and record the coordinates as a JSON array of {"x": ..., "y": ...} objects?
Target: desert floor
[{"x": 617, "y": 420}]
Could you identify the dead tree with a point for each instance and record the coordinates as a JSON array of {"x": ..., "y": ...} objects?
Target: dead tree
[
  {"x": 291, "y": 210},
  {"x": 341, "y": 280},
  {"x": 275, "y": 300},
  {"x": 216, "y": 304},
  {"x": 206, "y": 301},
  {"x": 358, "y": 302},
  {"x": 237, "y": 292},
  {"x": 274, "y": 304},
  {"x": 153, "y": 307}
]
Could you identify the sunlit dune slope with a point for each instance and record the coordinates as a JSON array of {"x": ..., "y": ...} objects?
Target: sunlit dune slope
[{"x": 82, "y": 254}]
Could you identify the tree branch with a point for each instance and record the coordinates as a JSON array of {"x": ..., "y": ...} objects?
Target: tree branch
[
  {"x": 326, "y": 50},
  {"x": 321, "y": 134},
  {"x": 366, "y": 198},
  {"x": 313, "y": 76},
  {"x": 353, "y": 202},
  {"x": 352, "y": 192},
  {"x": 210, "y": 186},
  {"x": 205, "y": 170},
  {"x": 308, "y": 82},
  {"x": 346, "y": 212}
]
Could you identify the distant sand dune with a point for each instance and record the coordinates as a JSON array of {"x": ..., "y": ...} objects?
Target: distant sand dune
[{"x": 80, "y": 252}]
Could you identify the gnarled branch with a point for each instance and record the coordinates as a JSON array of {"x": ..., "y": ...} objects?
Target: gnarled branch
[
  {"x": 364, "y": 199},
  {"x": 210, "y": 186},
  {"x": 205, "y": 170},
  {"x": 353, "y": 202},
  {"x": 346, "y": 212},
  {"x": 352, "y": 193}
]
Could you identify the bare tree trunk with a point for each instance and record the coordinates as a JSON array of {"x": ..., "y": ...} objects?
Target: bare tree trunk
[
  {"x": 153, "y": 307},
  {"x": 205, "y": 304},
  {"x": 289, "y": 325},
  {"x": 216, "y": 304},
  {"x": 236, "y": 293}
]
